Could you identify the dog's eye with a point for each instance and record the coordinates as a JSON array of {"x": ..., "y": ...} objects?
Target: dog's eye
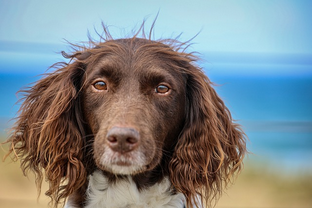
[
  {"x": 100, "y": 85},
  {"x": 162, "y": 89}
]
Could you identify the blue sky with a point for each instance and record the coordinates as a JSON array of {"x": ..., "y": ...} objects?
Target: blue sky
[{"x": 270, "y": 26}]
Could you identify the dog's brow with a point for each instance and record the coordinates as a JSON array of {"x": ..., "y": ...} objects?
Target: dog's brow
[
  {"x": 105, "y": 68},
  {"x": 154, "y": 76}
]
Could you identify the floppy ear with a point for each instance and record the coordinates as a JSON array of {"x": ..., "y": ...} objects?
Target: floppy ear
[
  {"x": 210, "y": 148},
  {"x": 48, "y": 133}
]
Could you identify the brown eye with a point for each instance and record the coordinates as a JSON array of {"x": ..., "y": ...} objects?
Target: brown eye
[
  {"x": 162, "y": 89},
  {"x": 100, "y": 85}
]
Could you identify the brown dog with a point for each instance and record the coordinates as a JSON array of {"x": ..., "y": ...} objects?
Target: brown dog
[{"x": 128, "y": 123}]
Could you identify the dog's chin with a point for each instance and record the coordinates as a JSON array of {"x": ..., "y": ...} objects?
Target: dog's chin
[
  {"x": 125, "y": 169},
  {"x": 122, "y": 164}
]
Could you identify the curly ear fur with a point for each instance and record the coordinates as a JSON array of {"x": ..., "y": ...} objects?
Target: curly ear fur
[
  {"x": 48, "y": 133},
  {"x": 210, "y": 148}
]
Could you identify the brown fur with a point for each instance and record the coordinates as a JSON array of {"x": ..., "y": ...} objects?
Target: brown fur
[{"x": 188, "y": 134}]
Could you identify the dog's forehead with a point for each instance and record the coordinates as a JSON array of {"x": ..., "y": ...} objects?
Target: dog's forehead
[
  {"x": 118, "y": 66},
  {"x": 128, "y": 55},
  {"x": 133, "y": 47},
  {"x": 135, "y": 60}
]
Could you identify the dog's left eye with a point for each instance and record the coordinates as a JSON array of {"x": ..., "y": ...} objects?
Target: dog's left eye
[
  {"x": 100, "y": 85},
  {"x": 162, "y": 89}
]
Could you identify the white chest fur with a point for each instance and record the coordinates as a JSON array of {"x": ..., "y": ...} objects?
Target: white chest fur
[{"x": 124, "y": 194}]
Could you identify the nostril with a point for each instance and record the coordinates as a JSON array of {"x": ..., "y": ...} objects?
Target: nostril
[
  {"x": 131, "y": 140},
  {"x": 112, "y": 139}
]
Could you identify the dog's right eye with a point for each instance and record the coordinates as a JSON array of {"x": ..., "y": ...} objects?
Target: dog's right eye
[
  {"x": 162, "y": 89},
  {"x": 100, "y": 85}
]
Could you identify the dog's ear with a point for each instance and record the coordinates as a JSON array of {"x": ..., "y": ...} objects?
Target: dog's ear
[
  {"x": 211, "y": 147},
  {"x": 47, "y": 135}
]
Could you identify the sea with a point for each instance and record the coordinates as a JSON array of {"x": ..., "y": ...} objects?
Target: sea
[{"x": 271, "y": 97}]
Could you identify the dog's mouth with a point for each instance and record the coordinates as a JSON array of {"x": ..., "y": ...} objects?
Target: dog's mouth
[
  {"x": 127, "y": 159},
  {"x": 122, "y": 163}
]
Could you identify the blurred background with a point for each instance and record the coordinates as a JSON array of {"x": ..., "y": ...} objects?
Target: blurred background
[{"x": 259, "y": 54}]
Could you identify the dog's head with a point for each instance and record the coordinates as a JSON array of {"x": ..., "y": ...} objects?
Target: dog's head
[{"x": 134, "y": 97}]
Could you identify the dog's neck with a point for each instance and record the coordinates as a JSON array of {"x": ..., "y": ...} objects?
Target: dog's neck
[{"x": 124, "y": 192}]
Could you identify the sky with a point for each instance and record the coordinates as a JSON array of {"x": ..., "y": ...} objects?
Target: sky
[{"x": 266, "y": 26}]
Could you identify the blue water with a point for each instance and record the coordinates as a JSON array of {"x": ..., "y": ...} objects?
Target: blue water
[{"x": 274, "y": 109}]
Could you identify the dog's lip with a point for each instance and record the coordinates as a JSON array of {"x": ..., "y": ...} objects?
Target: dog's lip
[
  {"x": 122, "y": 163},
  {"x": 122, "y": 160}
]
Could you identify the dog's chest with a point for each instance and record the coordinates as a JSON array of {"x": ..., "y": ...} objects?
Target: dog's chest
[{"x": 124, "y": 194}]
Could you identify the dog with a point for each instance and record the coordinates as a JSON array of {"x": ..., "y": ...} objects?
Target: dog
[{"x": 126, "y": 123}]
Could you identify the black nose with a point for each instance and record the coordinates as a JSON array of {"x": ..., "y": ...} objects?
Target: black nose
[{"x": 122, "y": 139}]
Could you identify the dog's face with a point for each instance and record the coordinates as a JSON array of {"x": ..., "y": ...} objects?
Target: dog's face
[{"x": 134, "y": 102}]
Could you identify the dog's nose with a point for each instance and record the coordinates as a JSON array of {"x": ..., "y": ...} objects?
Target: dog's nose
[{"x": 122, "y": 139}]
